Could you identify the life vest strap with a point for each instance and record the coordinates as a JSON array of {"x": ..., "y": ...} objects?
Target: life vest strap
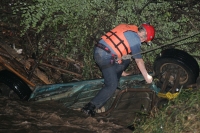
[
  {"x": 101, "y": 46},
  {"x": 120, "y": 41},
  {"x": 116, "y": 45}
]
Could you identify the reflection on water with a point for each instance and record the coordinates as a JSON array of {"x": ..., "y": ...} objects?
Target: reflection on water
[{"x": 49, "y": 117}]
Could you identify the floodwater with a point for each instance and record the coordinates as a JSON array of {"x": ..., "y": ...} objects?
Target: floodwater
[{"x": 18, "y": 116}]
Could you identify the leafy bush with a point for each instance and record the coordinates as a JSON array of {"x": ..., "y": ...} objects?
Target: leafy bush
[
  {"x": 180, "y": 116},
  {"x": 73, "y": 26}
]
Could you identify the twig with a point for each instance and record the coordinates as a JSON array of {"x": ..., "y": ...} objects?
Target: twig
[
  {"x": 63, "y": 70},
  {"x": 29, "y": 41},
  {"x": 5, "y": 55}
]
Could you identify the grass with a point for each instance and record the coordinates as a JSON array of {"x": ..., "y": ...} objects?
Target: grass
[{"x": 181, "y": 115}]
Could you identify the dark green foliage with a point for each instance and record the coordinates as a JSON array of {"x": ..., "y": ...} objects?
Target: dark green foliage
[{"x": 71, "y": 27}]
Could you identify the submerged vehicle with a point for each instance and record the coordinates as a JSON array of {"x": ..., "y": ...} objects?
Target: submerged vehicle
[{"x": 174, "y": 69}]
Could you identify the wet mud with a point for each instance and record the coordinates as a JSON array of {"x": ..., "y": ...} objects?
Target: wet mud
[{"x": 18, "y": 116}]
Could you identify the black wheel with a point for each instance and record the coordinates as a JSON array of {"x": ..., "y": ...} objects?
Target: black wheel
[
  {"x": 13, "y": 87},
  {"x": 176, "y": 61}
]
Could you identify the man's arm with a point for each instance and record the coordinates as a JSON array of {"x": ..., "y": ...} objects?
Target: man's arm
[{"x": 141, "y": 66}]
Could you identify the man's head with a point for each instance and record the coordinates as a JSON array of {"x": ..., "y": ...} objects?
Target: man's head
[{"x": 146, "y": 33}]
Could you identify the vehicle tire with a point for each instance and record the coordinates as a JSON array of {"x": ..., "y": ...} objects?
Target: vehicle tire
[
  {"x": 174, "y": 60},
  {"x": 12, "y": 83}
]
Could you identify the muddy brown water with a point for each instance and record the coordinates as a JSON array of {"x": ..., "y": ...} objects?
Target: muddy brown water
[{"x": 18, "y": 116}]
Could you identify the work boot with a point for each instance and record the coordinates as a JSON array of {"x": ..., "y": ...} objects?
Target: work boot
[{"x": 89, "y": 109}]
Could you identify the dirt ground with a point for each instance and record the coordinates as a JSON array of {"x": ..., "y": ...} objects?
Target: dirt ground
[{"x": 50, "y": 117}]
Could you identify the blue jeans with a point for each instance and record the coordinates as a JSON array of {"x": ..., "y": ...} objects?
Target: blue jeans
[{"x": 111, "y": 73}]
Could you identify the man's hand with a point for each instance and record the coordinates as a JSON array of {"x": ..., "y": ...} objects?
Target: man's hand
[
  {"x": 141, "y": 66},
  {"x": 149, "y": 79},
  {"x": 153, "y": 86}
]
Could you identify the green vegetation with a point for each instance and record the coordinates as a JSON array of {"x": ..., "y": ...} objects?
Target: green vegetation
[
  {"x": 180, "y": 115},
  {"x": 72, "y": 27}
]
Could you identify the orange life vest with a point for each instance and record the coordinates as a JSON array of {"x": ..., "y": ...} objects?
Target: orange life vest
[{"x": 117, "y": 41}]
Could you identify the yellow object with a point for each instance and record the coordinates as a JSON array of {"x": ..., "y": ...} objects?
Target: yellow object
[{"x": 168, "y": 95}]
